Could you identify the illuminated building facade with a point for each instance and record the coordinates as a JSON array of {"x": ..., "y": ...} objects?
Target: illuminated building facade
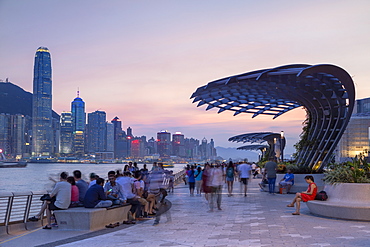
[
  {"x": 66, "y": 133},
  {"x": 42, "y": 134},
  {"x": 325, "y": 91},
  {"x": 164, "y": 143},
  {"x": 96, "y": 132},
  {"x": 138, "y": 147},
  {"x": 178, "y": 144},
  {"x": 356, "y": 137},
  {"x": 79, "y": 124},
  {"x": 110, "y": 137}
]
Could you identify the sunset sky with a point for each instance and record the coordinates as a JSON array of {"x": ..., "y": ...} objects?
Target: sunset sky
[{"x": 142, "y": 60}]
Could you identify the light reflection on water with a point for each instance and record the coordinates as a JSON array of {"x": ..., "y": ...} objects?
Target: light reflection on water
[{"x": 35, "y": 177}]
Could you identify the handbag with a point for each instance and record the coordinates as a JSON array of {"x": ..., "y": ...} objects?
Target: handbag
[{"x": 45, "y": 197}]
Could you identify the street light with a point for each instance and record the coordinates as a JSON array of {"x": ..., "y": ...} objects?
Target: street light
[{"x": 281, "y": 145}]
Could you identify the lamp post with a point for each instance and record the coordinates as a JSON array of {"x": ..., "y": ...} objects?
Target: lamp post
[{"x": 281, "y": 145}]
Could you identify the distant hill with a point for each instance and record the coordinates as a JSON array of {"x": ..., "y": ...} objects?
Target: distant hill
[
  {"x": 14, "y": 100},
  {"x": 235, "y": 154}
]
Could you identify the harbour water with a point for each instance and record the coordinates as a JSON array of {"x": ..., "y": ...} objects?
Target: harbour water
[{"x": 35, "y": 177}]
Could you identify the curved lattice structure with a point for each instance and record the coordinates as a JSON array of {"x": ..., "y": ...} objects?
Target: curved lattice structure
[
  {"x": 260, "y": 137},
  {"x": 325, "y": 91},
  {"x": 262, "y": 148},
  {"x": 253, "y": 147}
]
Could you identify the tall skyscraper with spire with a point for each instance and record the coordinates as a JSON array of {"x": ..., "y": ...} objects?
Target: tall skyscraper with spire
[
  {"x": 79, "y": 124},
  {"x": 42, "y": 133}
]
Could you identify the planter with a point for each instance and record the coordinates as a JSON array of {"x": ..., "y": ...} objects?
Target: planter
[
  {"x": 345, "y": 201},
  {"x": 351, "y": 192}
]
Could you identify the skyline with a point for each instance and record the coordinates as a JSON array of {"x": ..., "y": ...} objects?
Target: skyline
[{"x": 145, "y": 59}]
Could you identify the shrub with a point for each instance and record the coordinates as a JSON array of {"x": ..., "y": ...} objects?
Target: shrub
[{"x": 355, "y": 171}]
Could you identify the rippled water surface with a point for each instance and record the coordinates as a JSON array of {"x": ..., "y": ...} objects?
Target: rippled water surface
[{"x": 35, "y": 177}]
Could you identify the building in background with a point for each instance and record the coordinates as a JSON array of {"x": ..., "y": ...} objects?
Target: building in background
[
  {"x": 192, "y": 148},
  {"x": 42, "y": 134},
  {"x": 79, "y": 124},
  {"x": 178, "y": 144},
  {"x": 151, "y": 146},
  {"x": 96, "y": 133},
  {"x": 5, "y": 133},
  {"x": 164, "y": 143},
  {"x": 66, "y": 133},
  {"x": 207, "y": 150},
  {"x": 356, "y": 137},
  {"x": 138, "y": 147},
  {"x": 121, "y": 143},
  {"x": 110, "y": 138}
]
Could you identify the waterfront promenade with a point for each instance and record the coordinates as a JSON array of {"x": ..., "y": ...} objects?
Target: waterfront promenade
[{"x": 260, "y": 219}]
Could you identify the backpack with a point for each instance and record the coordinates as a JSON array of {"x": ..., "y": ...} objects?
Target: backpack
[
  {"x": 321, "y": 196},
  {"x": 230, "y": 172}
]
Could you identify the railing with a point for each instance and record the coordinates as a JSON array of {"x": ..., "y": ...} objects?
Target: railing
[
  {"x": 16, "y": 207},
  {"x": 178, "y": 176}
]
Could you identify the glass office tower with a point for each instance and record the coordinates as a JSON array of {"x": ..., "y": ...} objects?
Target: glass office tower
[
  {"x": 66, "y": 133},
  {"x": 96, "y": 132},
  {"x": 79, "y": 123},
  {"x": 42, "y": 104}
]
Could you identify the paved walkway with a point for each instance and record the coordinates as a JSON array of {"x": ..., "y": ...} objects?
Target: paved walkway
[{"x": 260, "y": 219}]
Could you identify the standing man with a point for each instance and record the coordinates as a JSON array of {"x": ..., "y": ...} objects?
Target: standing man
[
  {"x": 216, "y": 185},
  {"x": 270, "y": 169},
  {"x": 244, "y": 170}
]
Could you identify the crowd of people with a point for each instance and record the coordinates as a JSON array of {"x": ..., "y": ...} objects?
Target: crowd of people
[
  {"x": 210, "y": 179},
  {"x": 146, "y": 190},
  {"x": 140, "y": 188}
]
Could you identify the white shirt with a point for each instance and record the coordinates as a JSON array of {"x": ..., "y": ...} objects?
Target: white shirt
[
  {"x": 62, "y": 191},
  {"x": 217, "y": 177},
  {"x": 126, "y": 183}
]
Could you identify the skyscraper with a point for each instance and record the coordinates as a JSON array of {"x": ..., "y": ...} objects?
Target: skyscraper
[
  {"x": 78, "y": 122},
  {"x": 178, "y": 144},
  {"x": 42, "y": 135},
  {"x": 96, "y": 132},
  {"x": 66, "y": 133},
  {"x": 164, "y": 143}
]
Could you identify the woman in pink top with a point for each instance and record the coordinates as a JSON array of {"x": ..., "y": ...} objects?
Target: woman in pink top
[{"x": 74, "y": 192}]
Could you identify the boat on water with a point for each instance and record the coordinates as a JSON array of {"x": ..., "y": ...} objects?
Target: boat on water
[
  {"x": 19, "y": 164},
  {"x": 168, "y": 165}
]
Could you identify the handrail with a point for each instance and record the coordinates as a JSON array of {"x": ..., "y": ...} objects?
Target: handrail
[
  {"x": 178, "y": 176},
  {"x": 15, "y": 207}
]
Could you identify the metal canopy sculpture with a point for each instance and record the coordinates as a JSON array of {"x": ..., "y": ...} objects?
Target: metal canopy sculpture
[
  {"x": 253, "y": 147},
  {"x": 325, "y": 91},
  {"x": 260, "y": 137},
  {"x": 261, "y": 148}
]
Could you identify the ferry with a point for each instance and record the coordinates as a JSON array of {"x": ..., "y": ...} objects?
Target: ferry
[{"x": 13, "y": 165}]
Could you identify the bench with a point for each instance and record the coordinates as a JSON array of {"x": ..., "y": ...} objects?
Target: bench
[
  {"x": 349, "y": 201},
  {"x": 80, "y": 218}
]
